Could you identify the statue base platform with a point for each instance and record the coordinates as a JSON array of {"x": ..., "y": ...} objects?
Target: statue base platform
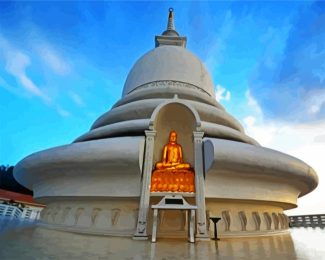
[
  {"x": 172, "y": 180},
  {"x": 162, "y": 194}
]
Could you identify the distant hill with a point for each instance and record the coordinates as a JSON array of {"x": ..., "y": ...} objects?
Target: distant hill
[{"x": 8, "y": 182}]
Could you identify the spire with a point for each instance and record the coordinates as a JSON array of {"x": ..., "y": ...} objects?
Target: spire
[
  {"x": 170, "y": 36},
  {"x": 170, "y": 25}
]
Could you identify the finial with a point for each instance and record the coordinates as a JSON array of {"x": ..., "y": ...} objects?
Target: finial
[{"x": 170, "y": 25}]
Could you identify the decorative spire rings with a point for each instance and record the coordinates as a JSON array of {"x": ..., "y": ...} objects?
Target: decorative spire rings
[{"x": 170, "y": 25}]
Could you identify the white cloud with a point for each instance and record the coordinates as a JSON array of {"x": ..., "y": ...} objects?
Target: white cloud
[
  {"x": 76, "y": 99},
  {"x": 16, "y": 63},
  {"x": 53, "y": 59},
  {"x": 62, "y": 112},
  {"x": 316, "y": 101},
  {"x": 263, "y": 134},
  {"x": 251, "y": 102},
  {"x": 222, "y": 93},
  {"x": 320, "y": 139}
]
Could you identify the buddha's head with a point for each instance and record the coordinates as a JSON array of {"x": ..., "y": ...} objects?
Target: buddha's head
[{"x": 172, "y": 136}]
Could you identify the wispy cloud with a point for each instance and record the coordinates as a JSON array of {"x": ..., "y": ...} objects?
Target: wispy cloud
[
  {"x": 211, "y": 31},
  {"x": 16, "y": 63},
  {"x": 53, "y": 59},
  {"x": 62, "y": 112},
  {"x": 251, "y": 102},
  {"x": 316, "y": 101},
  {"x": 218, "y": 44},
  {"x": 290, "y": 78},
  {"x": 76, "y": 99}
]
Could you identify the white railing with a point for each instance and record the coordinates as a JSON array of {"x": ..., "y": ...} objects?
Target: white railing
[
  {"x": 31, "y": 214},
  {"x": 9, "y": 211},
  {"x": 317, "y": 220}
]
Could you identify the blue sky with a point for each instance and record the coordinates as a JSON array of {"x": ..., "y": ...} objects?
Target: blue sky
[{"x": 63, "y": 64}]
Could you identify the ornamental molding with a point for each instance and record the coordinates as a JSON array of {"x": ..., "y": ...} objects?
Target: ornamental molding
[{"x": 170, "y": 84}]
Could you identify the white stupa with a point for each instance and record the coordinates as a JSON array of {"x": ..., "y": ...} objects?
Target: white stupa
[{"x": 100, "y": 184}]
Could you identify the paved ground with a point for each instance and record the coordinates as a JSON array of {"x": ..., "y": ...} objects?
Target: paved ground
[{"x": 30, "y": 242}]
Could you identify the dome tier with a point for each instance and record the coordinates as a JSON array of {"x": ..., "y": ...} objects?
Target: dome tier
[
  {"x": 131, "y": 115},
  {"x": 166, "y": 72},
  {"x": 171, "y": 63}
]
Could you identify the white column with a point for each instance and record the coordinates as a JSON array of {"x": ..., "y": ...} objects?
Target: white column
[
  {"x": 37, "y": 214},
  {"x": 13, "y": 212},
  {"x": 141, "y": 230},
  {"x": 201, "y": 225},
  {"x": 154, "y": 225},
  {"x": 191, "y": 225}
]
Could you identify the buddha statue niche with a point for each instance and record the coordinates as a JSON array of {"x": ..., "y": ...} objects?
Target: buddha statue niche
[{"x": 172, "y": 174}]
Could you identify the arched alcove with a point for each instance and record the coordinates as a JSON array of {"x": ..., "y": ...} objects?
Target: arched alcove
[{"x": 179, "y": 117}]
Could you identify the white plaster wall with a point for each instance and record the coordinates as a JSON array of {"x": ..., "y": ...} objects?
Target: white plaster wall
[
  {"x": 143, "y": 109},
  {"x": 215, "y": 207},
  {"x": 276, "y": 174},
  {"x": 92, "y": 215},
  {"x": 225, "y": 185},
  {"x": 169, "y": 63},
  {"x": 167, "y": 89},
  {"x": 119, "y": 216},
  {"x": 106, "y": 167}
]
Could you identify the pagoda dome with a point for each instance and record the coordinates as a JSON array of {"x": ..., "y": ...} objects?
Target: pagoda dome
[{"x": 169, "y": 62}]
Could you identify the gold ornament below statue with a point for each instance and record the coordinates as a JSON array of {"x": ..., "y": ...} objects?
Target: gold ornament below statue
[{"x": 171, "y": 174}]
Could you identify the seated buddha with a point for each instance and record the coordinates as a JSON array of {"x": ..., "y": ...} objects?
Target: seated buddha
[
  {"x": 172, "y": 174},
  {"x": 172, "y": 155}
]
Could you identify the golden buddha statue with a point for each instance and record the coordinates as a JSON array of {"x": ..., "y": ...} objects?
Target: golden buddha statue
[
  {"x": 172, "y": 174},
  {"x": 172, "y": 155}
]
